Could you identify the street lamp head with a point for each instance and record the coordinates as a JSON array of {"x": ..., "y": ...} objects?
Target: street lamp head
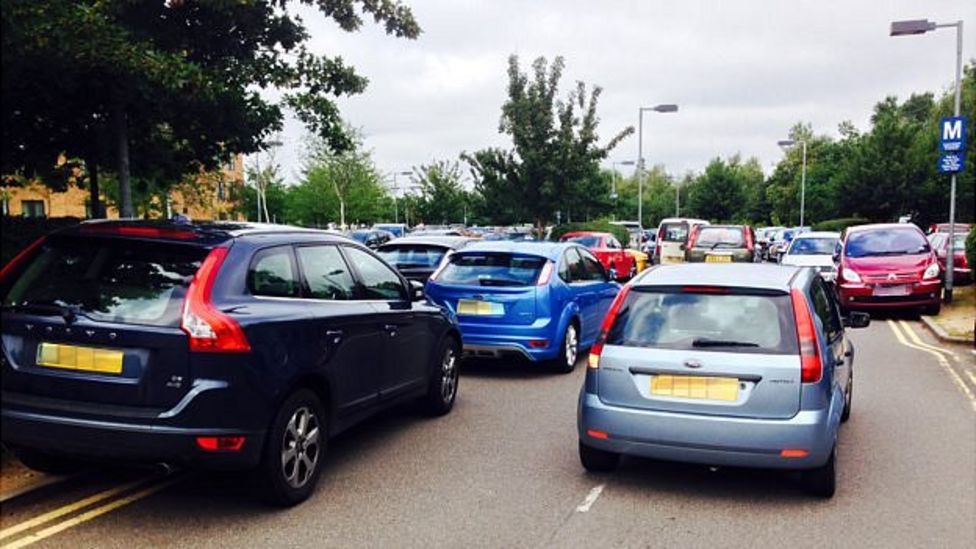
[
  {"x": 404, "y": 173},
  {"x": 914, "y": 26},
  {"x": 665, "y": 108},
  {"x": 786, "y": 143},
  {"x": 625, "y": 163}
]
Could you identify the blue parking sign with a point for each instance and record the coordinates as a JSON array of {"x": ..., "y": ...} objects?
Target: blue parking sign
[
  {"x": 952, "y": 134},
  {"x": 951, "y": 162}
]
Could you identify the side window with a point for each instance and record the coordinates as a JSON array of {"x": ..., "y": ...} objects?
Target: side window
[
  {"x": 379, "y": 281},
  {"x": 825, "y": 310},
  {"x": 593, "y": 268},
  {"x": 564, "y": 263},
  {"x": 577, "y": 270},
  {"x": 272, "y": 273},
  {"x": 326, "y": 273}
]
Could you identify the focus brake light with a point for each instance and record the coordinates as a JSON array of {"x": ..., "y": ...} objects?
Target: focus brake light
[
  {"x": 704, "y": 290},
  {"x": 593, "y": 361},
  {"x": 221, "y": 444},
  {"x": 545, "y": 275},
  {"x": 602, "y": 435},
  {"x": 794, "y": 453},
  {"x": 143, "y": 232},
  {"x": 210, "y": 330},
  {"x": 19, "y": 259},
  {"x": 811, "y": 367}
]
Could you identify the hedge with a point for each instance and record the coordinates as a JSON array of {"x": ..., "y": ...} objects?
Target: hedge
[
  {"x": 19, "y": 232},
  {"x": 600, "y": 226},
  {"x": 971, "y": 247},
  {"x": 837, "y": 225}
]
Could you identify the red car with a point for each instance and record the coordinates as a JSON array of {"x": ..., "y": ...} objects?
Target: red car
[
  {"x": 961, "y": 269},
  {"x": 888, "y": 266},
  {"x": 615, "y": 259}
]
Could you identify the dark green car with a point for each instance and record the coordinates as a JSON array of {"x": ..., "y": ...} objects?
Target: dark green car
[{"x": 721, "y": 244}]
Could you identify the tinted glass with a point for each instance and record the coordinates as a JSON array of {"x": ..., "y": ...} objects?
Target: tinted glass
[
  {"x": 413, "y": 256},
  {"x": 824, "y": 310},
  {"x": 881, "y": 242},
  {"x": 588, "y": 241},
  {"x": 720, "y": 237},
  {"x": 678, "y": 320},
  {"x": 675, "y": 232},
  {"x": 492, "y": 269},
  {"x": 379, "y": 281},
  {"x": 272, "y": 274},
  {"x": 813, "y": 246},
  {"x": 109, "y": 280},
  {"x": 326, "y": 273},
  {"x": 593, "y": 270}
]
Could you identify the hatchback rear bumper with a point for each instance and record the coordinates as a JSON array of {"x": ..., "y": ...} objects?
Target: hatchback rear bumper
[
  {"x": 709, "y": 440},
  {"x": 525, "y": 340}
]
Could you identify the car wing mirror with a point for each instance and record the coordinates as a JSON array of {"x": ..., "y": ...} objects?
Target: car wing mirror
[
  {"x": 416, "y": 291},
  {"x": 857, "y": 319}
]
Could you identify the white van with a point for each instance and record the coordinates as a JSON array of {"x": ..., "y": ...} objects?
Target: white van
[{"x": 672, "y": 236}]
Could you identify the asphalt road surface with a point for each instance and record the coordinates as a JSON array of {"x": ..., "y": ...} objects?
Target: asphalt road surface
[{"x": 502, "y": 471}]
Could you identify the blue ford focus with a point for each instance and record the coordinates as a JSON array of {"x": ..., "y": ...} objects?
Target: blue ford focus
[{"x": 542, "y": 300}]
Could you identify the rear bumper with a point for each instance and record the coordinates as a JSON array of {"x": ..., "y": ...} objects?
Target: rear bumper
[
  {"x": 861, "y": 296},
  {"x": 709, "y": 440},
  {"x": 498, "y": 340}
]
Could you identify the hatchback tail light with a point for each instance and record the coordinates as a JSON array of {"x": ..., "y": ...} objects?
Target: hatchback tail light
[
  {"x": 545, "y": 275},
  {"x": 811, "y": 366},
  {"x": 750, "y": 244},
  {"x": 19, "y": 259},
  {"x": 692, "y": 238},
  {"x": 594, "y": 360},
  {"x": 210, "y": 330}
]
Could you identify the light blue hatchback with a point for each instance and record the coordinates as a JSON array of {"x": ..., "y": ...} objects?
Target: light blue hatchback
[
  {"x": 542, "y": 300},
  {"x": 740, "y": 365}
]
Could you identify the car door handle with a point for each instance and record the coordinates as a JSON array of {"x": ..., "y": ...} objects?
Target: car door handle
[{"x": 334, "y": 335}]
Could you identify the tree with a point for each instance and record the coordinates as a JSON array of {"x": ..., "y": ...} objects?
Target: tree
[
  {"x": 264, "y": 178},
  {"x": 442, "y": 197},
  {"x": 555, "y": 152},
  {"x": 718, "y": 194},
  {"x": 172, "y": 85}
]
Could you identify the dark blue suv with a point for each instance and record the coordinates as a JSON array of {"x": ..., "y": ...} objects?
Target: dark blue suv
[{"x": 228, "y": 346}]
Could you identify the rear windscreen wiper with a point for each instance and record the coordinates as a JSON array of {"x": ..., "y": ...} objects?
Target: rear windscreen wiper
[
  {"x": 705, "y": 342},
  {"x": 68, "y": 312},
  {"x": 500, "y": 282}
]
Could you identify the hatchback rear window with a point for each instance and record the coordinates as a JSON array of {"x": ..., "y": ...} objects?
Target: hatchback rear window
[
  {"x": 813, "y": 246},
  {"x": 882, "y": 242},
  {"x": 492, "y": 269},
  {"x": 108, "y": 280},
  {"x": 720, "y": 237},
  {"x": 674, "y": 232},
  {"x": 413, "y": 256},
  {"x": 666, "y": 319}
]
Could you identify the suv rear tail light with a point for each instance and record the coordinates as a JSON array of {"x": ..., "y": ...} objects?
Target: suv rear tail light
[
  {"x": 545, "y": 275},
  {"x": 210, "y": 330},
  {"x": 811, "y": 366},
  {"x": 594, "y": 359},
  {"x": 19, "y": 259},
  {"x": 692, "y": 237}
]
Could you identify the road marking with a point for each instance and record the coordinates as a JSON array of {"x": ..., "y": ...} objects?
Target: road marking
[
  {"x": 972, "y": 376},
  {"x": 918, "y": 340},
  {"x": 90, "y": 514},
  {"x": 942, "y": 362},
  {"x": 590, "y": 499}
]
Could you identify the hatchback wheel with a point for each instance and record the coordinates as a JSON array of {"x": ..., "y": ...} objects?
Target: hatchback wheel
[
  {"x": 932, "y": 310},
  {"x": 596, "y": 460},
  {"x": 822, "y": 481},
  {"x": 445, "y": 373},
  {"x": 848, "y": 399},
  {"x": 295, "y": 450},
  {"x": 565, "y": 361}
]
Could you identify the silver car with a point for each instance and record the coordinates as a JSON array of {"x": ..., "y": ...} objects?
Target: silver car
[
  {"x": 815, "y": 250},
  {"x": 739, "y": 364}
]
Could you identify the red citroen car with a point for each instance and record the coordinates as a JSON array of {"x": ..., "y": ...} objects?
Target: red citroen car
[
  {"x": 962, "y": 271},
  {"x": 615, "y": 259},
  {"x": 888, "y": 266}
]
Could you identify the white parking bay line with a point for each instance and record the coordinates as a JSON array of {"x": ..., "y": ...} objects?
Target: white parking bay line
[{"x": 590, "y": 499}]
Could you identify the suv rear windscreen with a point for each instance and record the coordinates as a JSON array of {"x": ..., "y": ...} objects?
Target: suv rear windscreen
[
  {"x": 413, "y": 256},
  {"x": 673, "y": 319},
  {"x": 109, "y": 280},
  {"x": 674, "y": 232},
  {"x": 492, "y": 269},
  {"x": 720, "y": 237}
]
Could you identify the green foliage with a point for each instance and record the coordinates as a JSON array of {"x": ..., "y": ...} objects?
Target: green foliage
[
  {"x": 726, "y": 190},
  {"x": 599, "y": 225},
  {"x": 268, "y": 177},
  {"x": 971, "y": 247},
  {"x": 838, "y": 225},
  {"x": 554, "y": 165},
  {"x": 442, "y": 198}
]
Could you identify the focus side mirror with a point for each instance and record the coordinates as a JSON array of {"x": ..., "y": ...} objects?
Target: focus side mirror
[
  {"x": 857, "y": 319},
  {"x": 416, "y": 291}
]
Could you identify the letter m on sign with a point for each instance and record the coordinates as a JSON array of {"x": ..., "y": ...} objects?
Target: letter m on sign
[
  {"x": 952, "y": 137},
  {"x": 952, "y": 130}
]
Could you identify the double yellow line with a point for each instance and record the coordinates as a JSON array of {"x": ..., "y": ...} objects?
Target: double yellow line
[
  {"x": 904, "y": 332},
  {"x": 146, "y": 487}
]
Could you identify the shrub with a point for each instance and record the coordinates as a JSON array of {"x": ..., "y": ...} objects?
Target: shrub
[
  {"x": 840, "y": 224},
  {"x": 600, "y": 225},
  {"x": 971, "y": 247},
  {"x": 19, "y": 232}
]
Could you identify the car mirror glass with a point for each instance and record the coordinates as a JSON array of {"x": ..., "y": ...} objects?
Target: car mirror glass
[{"x": 857, "y": 319}]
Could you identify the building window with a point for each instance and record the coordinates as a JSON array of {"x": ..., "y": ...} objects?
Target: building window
[
  {"x": 221, "y": 190},
  {"x": 32, "y": 208}
]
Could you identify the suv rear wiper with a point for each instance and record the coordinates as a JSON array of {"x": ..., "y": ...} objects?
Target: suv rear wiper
[
  {"x": 68, "y": 312},
  {"x": 706, "y": 342}
]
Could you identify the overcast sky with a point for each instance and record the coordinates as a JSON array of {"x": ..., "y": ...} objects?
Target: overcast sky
[{"x": 742, "y": 71}]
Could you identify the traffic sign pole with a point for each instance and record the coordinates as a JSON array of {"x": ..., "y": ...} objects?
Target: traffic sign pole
[{"x": 950, "y": 259}]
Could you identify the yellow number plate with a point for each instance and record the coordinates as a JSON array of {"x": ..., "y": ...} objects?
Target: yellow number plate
[
  {"x": 85, "y": 359},
  {"x": 704, "y": 388},
  {"x": 718, "y": 259},
  {"x": 479, "y": 308}
]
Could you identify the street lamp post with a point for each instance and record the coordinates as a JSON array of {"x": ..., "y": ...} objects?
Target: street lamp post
[
  {"x": 786, "y": 143},
  {"x": 396, "y": 189},
  {"x": 663, "y": 108},
  {"x": 921, "y": 26}
]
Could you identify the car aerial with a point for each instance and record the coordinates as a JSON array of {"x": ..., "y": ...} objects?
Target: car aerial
[
  {"x": 672, "y": 236},
  {"x": 398, "y": 229},
  {"x": 634, "y": 231},
  {"x": 962, "y": 271},
  {"x": 618, "y": 262},
  {"x": 371, "y": 238},
  {"x": 815, "y": 249},
  {"x": 223, "y": 345},
  {"x": 721, "y": 244},
  {"x": 541, "y": 300},
  {"x": 739, "y": 365},
  {"x": 888, "y": 265},
  {"x": 417, "y": 257}
]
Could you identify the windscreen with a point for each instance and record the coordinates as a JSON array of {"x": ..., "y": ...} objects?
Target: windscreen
[
  {"x": 492, "y": 269},
  {"x": 108, "y": 280},
  {"x": 413, "y": 256},
  {"x": 674, "y": 232},
  {"x": 589, "y": 241},
  {"x": 813, "y": 246},
  {"x": 720, "y": 237},
  {"x": 882, "y": 242},
  {"x": 701, "y": 321}
]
